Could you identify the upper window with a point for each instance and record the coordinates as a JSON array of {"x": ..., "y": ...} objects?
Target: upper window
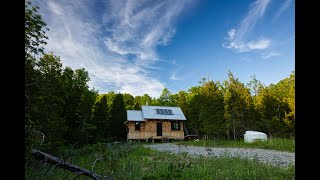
[
  {"x": 175, "y": 126},
  {"x": 138, "y": 126}
]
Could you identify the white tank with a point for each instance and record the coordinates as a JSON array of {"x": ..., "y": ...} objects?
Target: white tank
[{"x": 251, "y": 136}]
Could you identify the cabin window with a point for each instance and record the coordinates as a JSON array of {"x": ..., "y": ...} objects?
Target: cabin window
[
  {"x": 175, "y": 126},
  {"x": 138, "y": 126}
]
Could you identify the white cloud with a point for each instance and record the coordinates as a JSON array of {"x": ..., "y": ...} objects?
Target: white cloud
[
  {"x": 260, "y": 44},
  {"x": 173, "y": 77},
  {"x": 237, "y": 38},
  {"x": 270, "y": 54},
  {"x": 175, "y": 72},
  {"x": 137, "y": 28},
  {"x": 114, "y": 47},
  {"x": 283, "y": 7},
  {"x": 231, "y": 33},
  {"x": 249, "y": 46},
  {"x": 55, "y": 8},
  {"x": 103, "y": 43}
]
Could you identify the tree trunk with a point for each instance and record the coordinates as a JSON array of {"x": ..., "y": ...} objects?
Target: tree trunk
[{"x": 65, "y": 165}]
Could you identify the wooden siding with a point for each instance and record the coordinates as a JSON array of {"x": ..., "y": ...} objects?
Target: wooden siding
[{"x": 149, "y": 130}]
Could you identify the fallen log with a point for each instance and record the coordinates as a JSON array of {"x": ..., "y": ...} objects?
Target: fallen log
[{"x": 65, "y": 165}]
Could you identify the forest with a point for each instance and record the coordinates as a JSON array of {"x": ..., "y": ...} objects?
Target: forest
[{"x": 62, "y": 111}]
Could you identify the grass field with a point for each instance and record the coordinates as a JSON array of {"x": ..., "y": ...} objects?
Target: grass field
[
  {"x": 274, "y": 143},
  {"x": 133, "y": 161}
]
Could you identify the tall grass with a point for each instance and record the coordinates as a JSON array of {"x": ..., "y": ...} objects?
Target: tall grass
[
  {"x": 129, "y": 161},
  {"x": 272, "y": 143},
  {"x": 85, "y": 157}
]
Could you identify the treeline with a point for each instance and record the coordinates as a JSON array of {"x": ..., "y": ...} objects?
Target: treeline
[
  {"x": 227, "y": 109},
  {"x": 61, "y": 110}
]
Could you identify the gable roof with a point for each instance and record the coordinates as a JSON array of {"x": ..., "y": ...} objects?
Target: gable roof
[
  {"x": 149, "y": 112},
  {"x": 134, "y": 115}
]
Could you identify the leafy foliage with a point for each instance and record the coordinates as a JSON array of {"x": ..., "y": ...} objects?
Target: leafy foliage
[
  {"x": 167, "y": 99},
  {"x": 61, "y": 110},
  {"x": 118, "y": 115},
  {"x": 100, "y": 120},
  {"x": 252, "y": 107},
  {"x": 35, "y": 37}
]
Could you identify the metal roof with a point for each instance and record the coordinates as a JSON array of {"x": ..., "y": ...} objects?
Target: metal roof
[
  {"x": 134, "y": 115},
  {"x": 149, "y": 112}
]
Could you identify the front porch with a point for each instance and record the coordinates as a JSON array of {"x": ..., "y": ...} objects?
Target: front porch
[{"x": 157, "y": 138}]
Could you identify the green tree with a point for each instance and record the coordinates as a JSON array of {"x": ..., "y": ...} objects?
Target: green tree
[
  {"x": 142, "y": 100},
  {"x": 239, "y": 107},
  {"x": 182, "y": 103},
  {"x": 166, "y": 98},
  {"x": 48, "y": 102},
  {"x": 290, "y": 100},
  {"x": 99, "y": 126},
  {"x": 75, "y": 87},
  {"x": 128, "y": 101},
  {"x": 88, "y": 99},
  {"x": 118, "y": 115},
  {"x": 212, "y": 110},
  {"x": 268, "y": 107},
  {"x": 146, "y": 98},
  {"x": 35, "y": 38},
  {"x": 255, "y": 86},
  {"x": 35, "y": 27},
  {"x": 137, "y": 99},
  {"x": 192, "y": 113},
  {"x": 136, "y": 106},
  {"x": 274, "y": 107}
]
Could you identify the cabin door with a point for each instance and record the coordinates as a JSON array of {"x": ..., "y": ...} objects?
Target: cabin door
[{"x": 159, "y": 129}]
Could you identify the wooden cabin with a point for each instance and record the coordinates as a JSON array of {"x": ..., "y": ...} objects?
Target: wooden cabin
[{"x": 155, "y": 122}]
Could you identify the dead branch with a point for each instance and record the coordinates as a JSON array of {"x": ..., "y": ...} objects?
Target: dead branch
[
  {"x": 42, "y": 138},
  {"x": 28, "y": 99},
  {"x": 30, "y": 84},
  {"x": 95, "y": 163},
  {"x": 41, "y": 135},
  {"x": 74, "y": 145},
  {"x": 65, "y": 165}
]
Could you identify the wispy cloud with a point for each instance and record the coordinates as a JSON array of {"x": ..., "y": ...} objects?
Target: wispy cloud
[
  {"x": 137, "y": 28},
  {"x": 174, "y": 77},
  {"x": 282, "y": 8},
  {"x": 260, "y": 44},
  {"x": 270, "y": 54},
  {"x": 238, "y": 38},
  {"x": 174, "y": 62},
  {"x": 176, "y": 71},
  {"x": 116, "y": 45}
]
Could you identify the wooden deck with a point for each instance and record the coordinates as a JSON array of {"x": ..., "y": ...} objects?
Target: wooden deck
[{"x": 163, "y": 138}]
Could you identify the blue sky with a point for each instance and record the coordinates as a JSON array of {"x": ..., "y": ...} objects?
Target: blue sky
[{"x": 143, "y": 46}]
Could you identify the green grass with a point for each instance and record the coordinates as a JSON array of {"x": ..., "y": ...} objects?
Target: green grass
[
  {"x": 274, "y": 143},
  {"x": 136, "y": 162}
]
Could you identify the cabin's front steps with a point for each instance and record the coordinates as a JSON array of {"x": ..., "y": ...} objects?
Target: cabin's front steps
[{"x": 163, "y": 139}]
